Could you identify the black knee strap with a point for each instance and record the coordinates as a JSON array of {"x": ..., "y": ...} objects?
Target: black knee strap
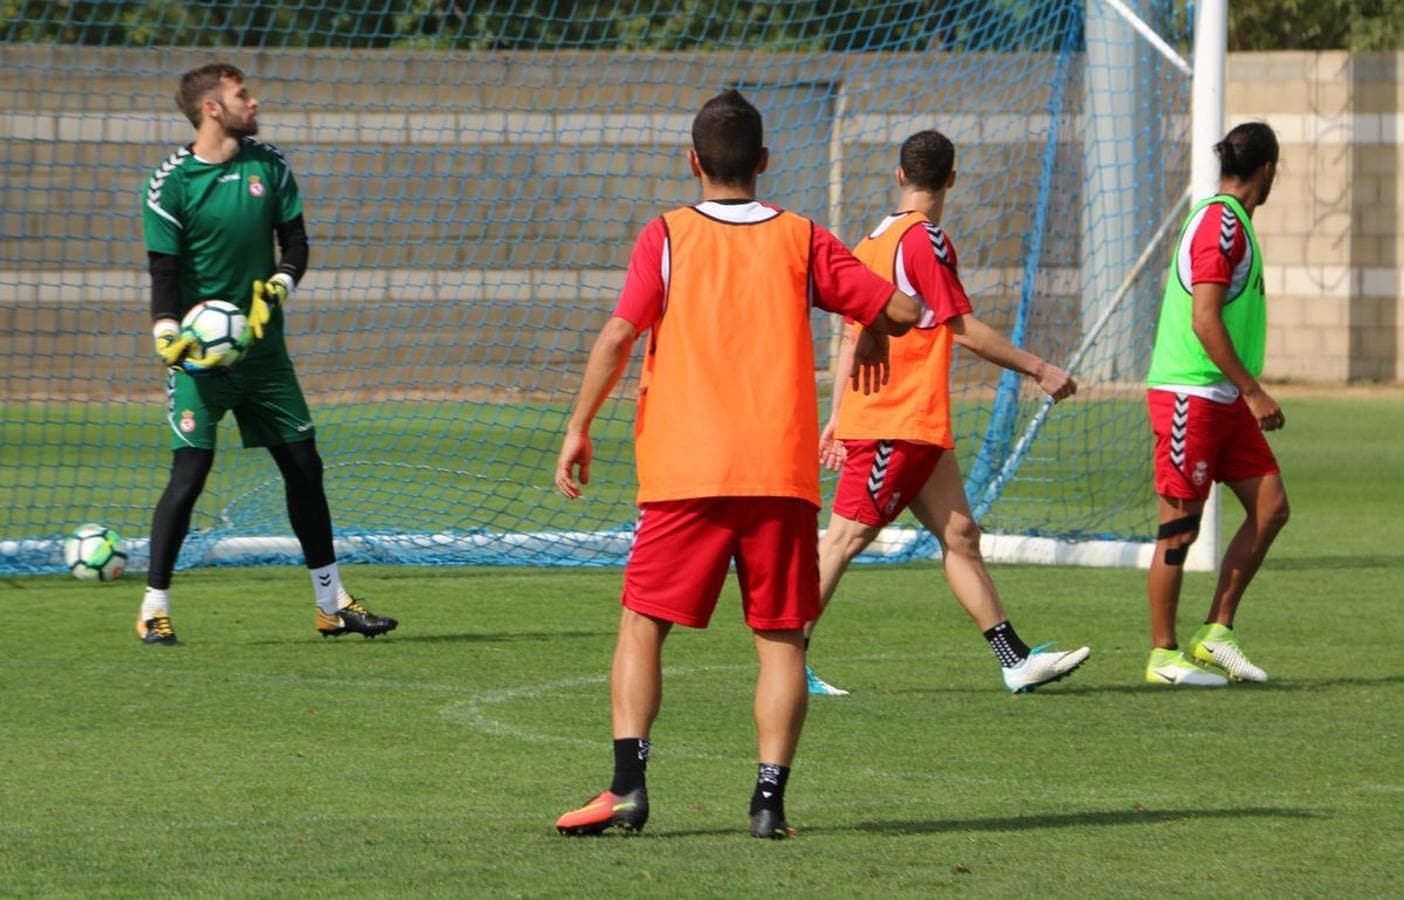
[
  {"x": 1178, "y": 526},
  {"x": 1175, "y": 556}
]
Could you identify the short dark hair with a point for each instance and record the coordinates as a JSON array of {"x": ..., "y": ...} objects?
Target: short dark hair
[
  {"x": 927, "y": 159},
  {"x": 1245, "y": 149},
  {"x": 196, "y": 84},
  {"x": 728, "y": 137}
]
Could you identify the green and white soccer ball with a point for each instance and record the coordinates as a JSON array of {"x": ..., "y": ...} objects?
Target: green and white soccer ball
[
  {"x": 219, "y": 330},
  {"x": 94, "y": 553}
]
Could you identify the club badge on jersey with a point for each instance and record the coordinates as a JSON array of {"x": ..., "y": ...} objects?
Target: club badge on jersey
[{"x": 255, "y": 186}]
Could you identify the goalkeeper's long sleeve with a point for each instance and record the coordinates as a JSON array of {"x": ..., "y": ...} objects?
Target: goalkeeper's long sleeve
[
  {"x": 292, "y": 240},
  {"x": 165, "y": 286}
]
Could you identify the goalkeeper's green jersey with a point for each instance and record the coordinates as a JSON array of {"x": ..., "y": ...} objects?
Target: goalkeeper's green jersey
[{"x": 219, "y": 220}]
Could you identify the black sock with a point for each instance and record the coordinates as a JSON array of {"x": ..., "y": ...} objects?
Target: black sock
[
  {"x": 770, "y": 788},
  {"x": 1004, "y": 641},
  {"x": 630, "y": 761}
]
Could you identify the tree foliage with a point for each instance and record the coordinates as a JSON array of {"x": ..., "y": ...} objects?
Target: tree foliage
[
  {"x": 1359, "y": 25},
  {"x": 796, "y": 25}
]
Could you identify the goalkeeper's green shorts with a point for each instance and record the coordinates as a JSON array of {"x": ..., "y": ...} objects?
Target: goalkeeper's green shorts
[{"x": 263, "y": 393}]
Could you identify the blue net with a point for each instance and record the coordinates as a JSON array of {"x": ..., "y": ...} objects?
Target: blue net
[{"x": 473, "y": 178}]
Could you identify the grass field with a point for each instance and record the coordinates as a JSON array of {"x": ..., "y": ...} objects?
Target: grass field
[{"x": 258, "y": 760}]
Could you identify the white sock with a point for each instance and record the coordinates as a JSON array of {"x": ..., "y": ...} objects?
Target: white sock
[
  {"x": 326, "y": 586},
  {"x": 154, "y": 603}
]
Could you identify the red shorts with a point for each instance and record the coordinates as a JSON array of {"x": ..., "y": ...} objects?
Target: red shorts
[
  {"x": 880, "y": 478},
  {"x": 683, "y": 549},
  {"x": 1198, "y": 442}
]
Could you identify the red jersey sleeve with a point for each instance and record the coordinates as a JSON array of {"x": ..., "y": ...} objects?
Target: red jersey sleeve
[
  {"x": 1217, "y": 247},
  {"x": 929, "y": 263},
  {"x": 641, "y": 300},
  {"x": 842, "y": 284}
]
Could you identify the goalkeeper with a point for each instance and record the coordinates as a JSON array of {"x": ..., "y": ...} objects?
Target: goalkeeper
[
  {"x": 210, "y": 213},
  {"x": 894, "y": 446}
]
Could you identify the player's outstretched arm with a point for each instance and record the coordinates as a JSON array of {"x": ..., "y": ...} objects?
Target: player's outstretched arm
[
  {"x": 608, "y": 359},
  {"x": 987, "y": 343}
]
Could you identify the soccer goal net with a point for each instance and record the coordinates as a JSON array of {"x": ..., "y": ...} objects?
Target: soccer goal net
[{"x": 473, "y": 177}]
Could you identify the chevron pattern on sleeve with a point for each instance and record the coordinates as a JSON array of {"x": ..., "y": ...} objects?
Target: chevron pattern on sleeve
[
  {"x": 1228, "y": 230},
  {"x": 158, "y": 180},
  {"x": 939, "y": 244}
]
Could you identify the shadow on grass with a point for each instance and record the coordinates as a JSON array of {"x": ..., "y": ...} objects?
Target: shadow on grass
[
  {"x": 1321, "y": 684},
  {"x": 1303, "y": 684},
  {"x": 1109, "y": 818},
  {"x": 472, "y": 637}
]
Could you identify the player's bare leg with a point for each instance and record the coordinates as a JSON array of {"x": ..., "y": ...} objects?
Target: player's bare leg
[
  {"x": 636, "y": 675},
  {"x": 843, "y": 540},
  {"x": 1265, "y": 502},
  {"x": 635, "y": 693},
  {"x": 1167, "y": 569},
  {"x": 782, "y": 700},
  {"x": 942, "y": 507},
  {"x": 1168, "y": 664}
]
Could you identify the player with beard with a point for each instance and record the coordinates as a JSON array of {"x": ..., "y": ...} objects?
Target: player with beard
[
  {"x": 1208, "y": 413},
  {"x": 210, "y": 214}
]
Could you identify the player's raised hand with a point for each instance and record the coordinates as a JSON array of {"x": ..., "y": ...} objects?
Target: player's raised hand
[
  {"x": 870, "y": 361},
  {"x": 1055, "y": 382},
  {"x": 832, "y": 452},
  {"x": 575, "y": 451},
  {"x": 266, "y": 295},
  {"x": 1265, "y": 409},
  {"x": 171, "y": 346}
]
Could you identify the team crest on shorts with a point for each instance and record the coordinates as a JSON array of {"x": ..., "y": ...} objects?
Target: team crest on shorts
[
  {"x": 255, "y": 186},
  {"x": 892, "y": 504},
  {"x": 187, "y": 421},
  {"x": 1201, "y": 473}
]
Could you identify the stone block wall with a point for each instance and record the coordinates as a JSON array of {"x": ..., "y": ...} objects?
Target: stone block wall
[
  {"x": 1333, "y": 229},
  {"x": 425, "y": 192}
]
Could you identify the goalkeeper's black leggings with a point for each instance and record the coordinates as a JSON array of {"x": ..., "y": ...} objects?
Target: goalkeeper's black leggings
[{"x": 301, "y": 466}]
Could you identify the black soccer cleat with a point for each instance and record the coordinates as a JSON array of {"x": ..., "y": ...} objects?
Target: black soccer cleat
[
  {"x": 353, "y": 618},
  {"x": 156, "y": 630},
  {"x": 767, "y": 823}
]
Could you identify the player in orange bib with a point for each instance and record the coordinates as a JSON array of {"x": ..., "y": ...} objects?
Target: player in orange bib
[
  {"x": 725, "y": 433},
  {"x": 893, "y": 446}
]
